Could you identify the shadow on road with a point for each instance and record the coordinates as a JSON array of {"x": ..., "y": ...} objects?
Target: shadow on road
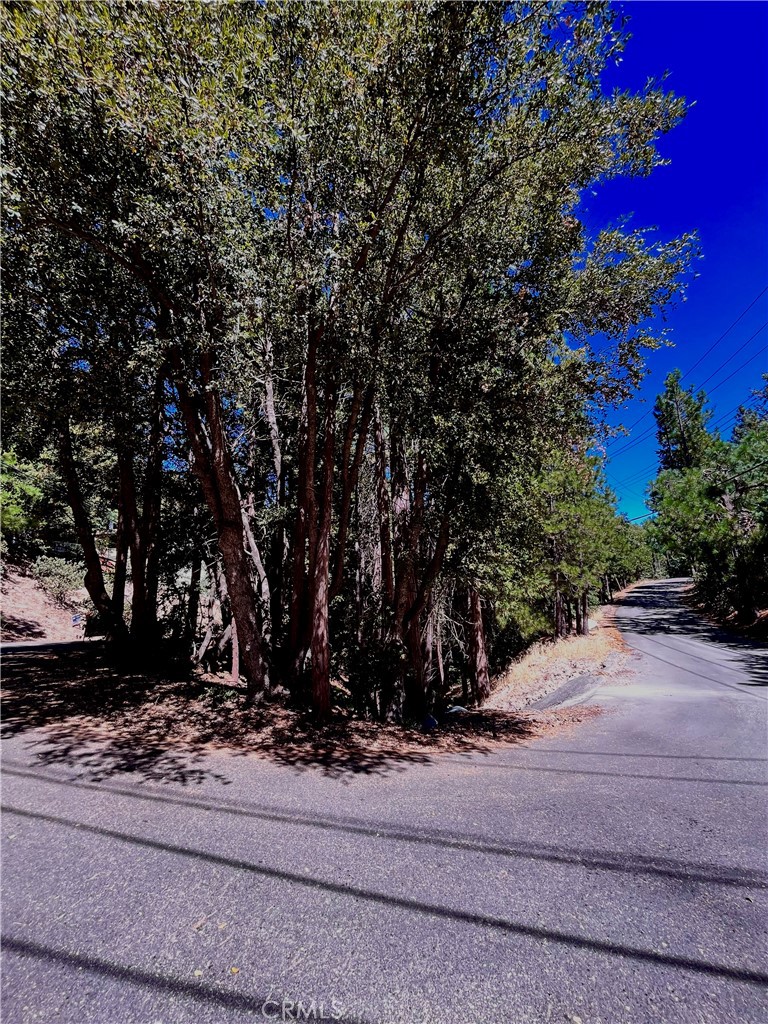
[
  {"x": 623, "y": 862},
  {"x": 433, "y": 910},
  {"x": 659, "y": 609},
  {"x": 196, "y": 991}
]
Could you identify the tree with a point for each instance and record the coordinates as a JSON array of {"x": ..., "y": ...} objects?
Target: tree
[
  {"x": 712, "y": 517},
  {"x": 681, "y": 420},
  {"x": 331, "y": 258}
]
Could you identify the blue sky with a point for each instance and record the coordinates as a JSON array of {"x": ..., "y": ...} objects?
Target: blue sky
[{"x": 716, "y": 184}]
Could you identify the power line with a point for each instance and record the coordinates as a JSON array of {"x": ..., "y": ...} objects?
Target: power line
[
  {"x": 725, "y": 333},
  {"x": 738, "y": 368},
  {"x": 646, "y": 433},
  {"x": 741, "y": 405},
  {"x": 633, "y": 444},
  {"x": 729, "y": 424},
  {"x": 639, "y": 474},
  {"x": 714, "y": 344},
  {"x": 724, "y": 422},
  {"x": 744, "y": 473},
  {"x": 733, "y": 355},
  {"x": 629, "y": 428},
  {"x": 637, "y": 477},
  {"x": 629, "y": 490}
]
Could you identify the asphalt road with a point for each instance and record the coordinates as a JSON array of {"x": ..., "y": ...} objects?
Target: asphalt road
[{"x": 613, "y": 875}]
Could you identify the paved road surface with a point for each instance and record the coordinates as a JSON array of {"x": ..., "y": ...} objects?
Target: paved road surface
[{"x": 614, "y": 875}]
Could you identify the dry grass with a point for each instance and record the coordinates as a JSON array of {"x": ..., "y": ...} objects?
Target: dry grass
[{"x": 551, "y": 663}]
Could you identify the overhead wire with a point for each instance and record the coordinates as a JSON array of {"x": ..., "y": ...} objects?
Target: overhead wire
[
  {"x": 733, "y": 355},
  {"x": 646, "y": 433},
  {"x": 725, "y": 333},
  {"x": 723, "y": 422},
  {"x": 701, "y": 358},
  {"x": 747, "y": 404},
  {"x": 739, "y": 368}
]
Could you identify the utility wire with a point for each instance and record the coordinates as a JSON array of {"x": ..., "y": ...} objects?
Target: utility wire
[
  {"x": 641, "y": 437},
  {"x": 733, "y": 355},
  {"x": 646, "y": 433},
  {"x": 725, "y": 333},
  {"x": 742, "y": 405},
  {"x": 738, "y": 368},
  {"x": 714, "y": 344},
  {"x": 637, "y": 475},
  {"x": 740, "y": 476},
  {"x": 633, "y": 444},
  {"x": 629, "y": 490}
]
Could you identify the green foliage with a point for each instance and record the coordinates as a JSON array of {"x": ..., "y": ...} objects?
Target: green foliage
[
  {"x": 712, "y": 518},
  {"x": 681, "y": 419},
  {"x": 325, "y": 264},
  {"x": 20, "y": 495},
  {"x": 58, "y": 577}
]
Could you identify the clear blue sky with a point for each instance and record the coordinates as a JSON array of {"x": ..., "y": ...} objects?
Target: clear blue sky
[{"x": 716, "y": 184}]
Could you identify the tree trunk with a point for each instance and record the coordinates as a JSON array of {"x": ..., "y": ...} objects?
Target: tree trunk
[
  {"x": 138, "y": 561},
  {"x": 94, "y": 577},
  {"x": 428, "y": 648},
  {"x": 235, "y": 670},
  {"x": 305, "y": 527},
  {"x": 577, "y": 605},
  {"x": 585, "y": 613},
  {"x": 142, "y": 527},
  {"x": 193, "y": 600},
  {"x": 213, "y": 467},
  {"x": 478, "y": 653},
  {"x": 121, "y": 562},
  {"x": 559, "y": 614},
  {"x": 151, "y": 505},
  {"x": 351, "y": 474},
  {"x": 439, "y": 657},
  {"x": 320, "y": 640},
  {"x": 384, "y": 513},
  {"x": 405, "y": 636},
  {"x": 277, "y": 552}
]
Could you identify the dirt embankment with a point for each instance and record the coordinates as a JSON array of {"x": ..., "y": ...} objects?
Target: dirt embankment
[
  {"x": 550, "y": 664},
  {"x": 27, "y": 613}
]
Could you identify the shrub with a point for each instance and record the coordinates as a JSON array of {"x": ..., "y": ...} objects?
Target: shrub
[{"x": 58, "y": 577}]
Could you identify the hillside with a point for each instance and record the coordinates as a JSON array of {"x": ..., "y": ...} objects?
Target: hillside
[{"x": 27, "y": 613}]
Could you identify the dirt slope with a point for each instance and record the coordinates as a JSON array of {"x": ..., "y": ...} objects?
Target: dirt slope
[{"x": 27, "y": 613}]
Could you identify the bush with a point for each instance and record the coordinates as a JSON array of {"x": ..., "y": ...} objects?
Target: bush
[{"x": 58, "y": 577}]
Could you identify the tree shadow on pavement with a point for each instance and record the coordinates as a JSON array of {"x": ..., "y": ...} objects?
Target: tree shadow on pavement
[
  {"x": 397, "y": 901},
  {"x": 89, "y": 715},
  {"x": 178, "y": 988},
  {"x": 622, "y": 861},
  {"x": 659, "y": 609}
]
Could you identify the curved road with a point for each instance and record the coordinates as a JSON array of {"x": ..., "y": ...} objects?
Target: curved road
[{"x": 613, "y": 875}]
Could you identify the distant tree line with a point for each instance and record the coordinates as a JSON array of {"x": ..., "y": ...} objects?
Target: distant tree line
[
  {"x": 711, "y": 498},
  {"x": 298, "y": 299}
]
